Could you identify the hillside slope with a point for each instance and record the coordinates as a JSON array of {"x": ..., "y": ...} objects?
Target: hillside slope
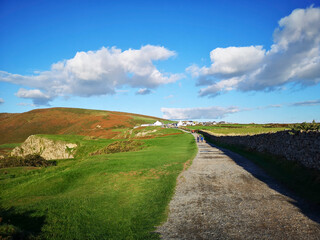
[{"x": 19, "y": 126}]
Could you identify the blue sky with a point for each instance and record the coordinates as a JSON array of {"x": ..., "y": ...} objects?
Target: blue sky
[{"x": 238, "y": 61}]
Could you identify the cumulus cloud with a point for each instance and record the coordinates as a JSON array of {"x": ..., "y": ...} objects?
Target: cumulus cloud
[
  {"x": 197, "y": 113},
  {"x": 38, "y": 97},
  {"x": 294, "y": 57},
  {"x": 96, "y": 73},
  {"x": 1, "y": 101},
  {"x": 143, "y": 91}
]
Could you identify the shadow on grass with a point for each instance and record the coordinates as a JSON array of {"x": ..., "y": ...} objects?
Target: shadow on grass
[
  {"x": 19, "y": 225},
  {"x": 308, "y": 208}
]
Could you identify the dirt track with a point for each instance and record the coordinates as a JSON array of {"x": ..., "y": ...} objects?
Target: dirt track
[{"x": 224, "y": 196}]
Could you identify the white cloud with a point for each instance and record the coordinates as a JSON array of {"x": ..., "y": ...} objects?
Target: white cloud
[
  {"x": 215, "y": 112},
  {"x": 294, "y": 57},
  {"x": 143, "y": 91},
  {"x": 38, "y": 97},
  {"x": 36, "y": 93},
  {"x": 197, "y": 113},
  {"x": 266, "y": 107},
  {"x": 122, "y": 91},
  {"x": 226, "y": 61},
  {"x": 169, "y": 96},
  {"x": 1, "y": 101},
  {"x": 26, "y": 104},
  {"x": 98, "y": 72},
  {"x": 275, "y": 106},
  {"x": 307, "y": 103}
]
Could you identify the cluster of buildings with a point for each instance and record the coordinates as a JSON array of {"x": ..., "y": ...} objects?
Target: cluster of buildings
[
  {"x": 169, "y": 125},
  {"x": 194, "y": 123},
  {"x": 157, "y": 123},
  {"x": 180, "y": 124}
]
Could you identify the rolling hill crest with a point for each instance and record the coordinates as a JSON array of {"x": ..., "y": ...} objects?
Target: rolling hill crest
[{"x": 16, "y": 127}]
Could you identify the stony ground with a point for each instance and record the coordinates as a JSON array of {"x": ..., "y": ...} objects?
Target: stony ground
[{"x": 224, "y": 196}]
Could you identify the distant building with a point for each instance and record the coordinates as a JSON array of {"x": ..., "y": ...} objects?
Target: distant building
[
  {"x": 186, "y": 123},
  {"x": 146, "y": 125},
  {"x": 189, "y": 123},
  {"x": 180, "y": 124},
  {"x": 157, "y": 123},
  {"x": 171, "y": 125}
]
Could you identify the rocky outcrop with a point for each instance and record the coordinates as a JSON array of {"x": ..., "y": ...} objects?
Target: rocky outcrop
[
  {"x": 46, "y": 148},
  {"x": 302, "y": 147}
]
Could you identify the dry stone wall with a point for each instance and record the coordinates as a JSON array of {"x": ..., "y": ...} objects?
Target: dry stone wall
[
  {"x": 46, "y": 148},
  {"x": 302, "y": 147}
]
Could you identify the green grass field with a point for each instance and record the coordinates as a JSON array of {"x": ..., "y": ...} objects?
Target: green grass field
[
  {"x": 240, "y": 129},
  {"x": 113, "y": 196}
]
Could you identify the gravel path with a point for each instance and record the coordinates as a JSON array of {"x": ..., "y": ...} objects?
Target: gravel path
[{"x": 224, "y": 196}]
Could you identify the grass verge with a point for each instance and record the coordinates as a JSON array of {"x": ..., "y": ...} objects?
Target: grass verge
[
  {"x": 114, "y": 196},
  {"x": 303, "y": 181}
]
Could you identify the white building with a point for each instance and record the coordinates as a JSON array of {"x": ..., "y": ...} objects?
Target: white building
[
  {"x": 190, "y": 123},
  {"x": 146, "y": 125},
  {"x": 157, "y": 123},
  {"x": 180, "y": 124}
]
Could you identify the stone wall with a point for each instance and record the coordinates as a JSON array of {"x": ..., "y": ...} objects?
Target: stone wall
[
  {"x": 46, "y": 148},
  {"x": 302, "y": 147}
]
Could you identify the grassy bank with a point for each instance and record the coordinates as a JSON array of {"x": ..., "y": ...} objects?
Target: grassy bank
[
  {"x": 241, "y": 129},
  {"x": 111, "y": 196},
  {"x": 301, "y": 180}
]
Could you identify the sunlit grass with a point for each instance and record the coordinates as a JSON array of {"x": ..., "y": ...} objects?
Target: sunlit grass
[
  {"x": 10, "y": 145},
  {"x": 240, "y": 129},
  {"x": 113, "y": 196}
]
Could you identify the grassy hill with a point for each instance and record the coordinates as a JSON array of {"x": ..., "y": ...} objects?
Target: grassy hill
[
  {"x": 15, "y": 128},
  {"x": 118, "y": 186}
]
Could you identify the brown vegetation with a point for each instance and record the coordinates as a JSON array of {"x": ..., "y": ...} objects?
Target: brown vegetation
[
  {"x": 120, "y": 146},
  {"x": 17, "y": 127},
  {"x": 33, "y": 160}
]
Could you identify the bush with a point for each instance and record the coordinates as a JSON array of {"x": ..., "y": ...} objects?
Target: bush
[
  {"x": 32, "y": 160},
  {"x": 120, "y": 146},
  {"x": 306, "y": 127}
]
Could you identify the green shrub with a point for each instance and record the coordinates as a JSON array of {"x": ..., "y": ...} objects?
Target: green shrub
[
  {"x": 9, "y": 232},
  {"x": 306, "y": 127}
]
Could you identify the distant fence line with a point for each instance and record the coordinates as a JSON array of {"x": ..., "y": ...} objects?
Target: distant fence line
[{"x": 302, "y": 147}]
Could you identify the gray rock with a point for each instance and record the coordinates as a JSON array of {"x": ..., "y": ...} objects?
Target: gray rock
[{"x": 46, "y": 148}]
